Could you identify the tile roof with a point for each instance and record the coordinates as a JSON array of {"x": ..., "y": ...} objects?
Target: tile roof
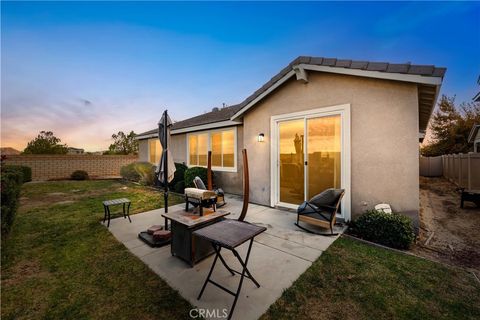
[
  {"x": 222, "y": 114},
  {"x": 226, "y": 113}
]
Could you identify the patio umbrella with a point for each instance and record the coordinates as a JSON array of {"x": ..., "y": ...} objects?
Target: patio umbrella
[{"x": 166, "y": 167}]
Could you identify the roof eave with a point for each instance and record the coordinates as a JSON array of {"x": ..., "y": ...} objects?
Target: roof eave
[
  {"x": 428, "y": 80},
  {"x": 207, "y": 126}
]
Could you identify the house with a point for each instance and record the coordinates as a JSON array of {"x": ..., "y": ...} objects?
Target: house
[
  {"x": 72, "y": 150},
  {"x": 476, "y": 98},
  {"x": 7, "y": 151},
  {"x": 318, "y": 123},
  {"x": 474, "y": 137}
]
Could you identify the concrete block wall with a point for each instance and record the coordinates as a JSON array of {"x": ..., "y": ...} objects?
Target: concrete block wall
[{"x": 54, "y": 167}]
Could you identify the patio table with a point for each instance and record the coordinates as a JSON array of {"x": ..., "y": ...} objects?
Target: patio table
[
  {"x": 114, "y": 202},
  {"x": 230, "y": 234},
  {"x": 184, "y": 244}
]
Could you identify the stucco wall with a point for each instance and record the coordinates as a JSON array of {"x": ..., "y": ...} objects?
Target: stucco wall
[
  {"x": 143, "y": 150},
  {"x": 384, "y": 136},
  {"x": 230, "y": 182},
  {"x": 178, "y": 144}
]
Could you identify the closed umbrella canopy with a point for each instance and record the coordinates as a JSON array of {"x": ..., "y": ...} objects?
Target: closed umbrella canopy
[{"x": 164, "y": 136}]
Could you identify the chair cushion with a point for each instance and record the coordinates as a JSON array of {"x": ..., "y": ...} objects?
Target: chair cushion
[
  {"x": 306, "y": 207},
  {"x": 199, "y": 183},
  {"x": 199, "y": 194},
  {"x": 329, "y": 197}
]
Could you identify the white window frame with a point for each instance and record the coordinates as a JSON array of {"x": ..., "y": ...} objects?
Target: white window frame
[
  {"x": 149, "y": 151},
  {"x": 209, "y": 148},
  {"x": 344, "y": 112}
]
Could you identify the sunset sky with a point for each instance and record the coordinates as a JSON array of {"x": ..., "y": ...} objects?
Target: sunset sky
[{"x": 87, "y": 70}]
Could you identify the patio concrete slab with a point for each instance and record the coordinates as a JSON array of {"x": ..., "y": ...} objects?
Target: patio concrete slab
[{"x": 279, "y": 256}]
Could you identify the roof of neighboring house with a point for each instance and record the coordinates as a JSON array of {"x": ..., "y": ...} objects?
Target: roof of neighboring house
[
  {"x": 428, "y": 77},
  {"x": 473, "y": 132},
  {"x": 7, "y": 151},
  {"x": 217, "y": 115}
]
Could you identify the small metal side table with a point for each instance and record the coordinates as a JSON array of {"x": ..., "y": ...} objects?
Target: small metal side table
[
  {"x": 229, "y": 234},
  {"x": 126, "y": 208}
]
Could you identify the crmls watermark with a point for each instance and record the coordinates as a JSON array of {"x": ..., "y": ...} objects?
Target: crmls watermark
[{"x": 208, "y": 313}]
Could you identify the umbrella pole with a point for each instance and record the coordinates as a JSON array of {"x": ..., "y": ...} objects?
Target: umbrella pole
[{"x": 165, "y": 164}]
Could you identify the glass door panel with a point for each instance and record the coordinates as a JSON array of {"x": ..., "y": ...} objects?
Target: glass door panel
[
  {"x": 291, "y": 161},
  {"x": 324, "y": 154}
]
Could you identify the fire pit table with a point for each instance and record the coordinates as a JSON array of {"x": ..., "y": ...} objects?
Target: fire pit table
[{"x": 184, "y": 244}]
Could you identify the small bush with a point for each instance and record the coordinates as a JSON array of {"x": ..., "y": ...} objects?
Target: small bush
[
  {"x": 180, "y": 169},
  {"x": 192, "y": 172},
  {"x": 179, "y": 187},
  {"x": 128, "y": 172},
  {"x": 25, "y": 171},
  {"x": 146, "y": 171},
  {"x": 79, "y": 175},
  {"x": 11, "y": 182},
  {"x": 393, "y": 230},
  {"x": 141, "y": 172}
]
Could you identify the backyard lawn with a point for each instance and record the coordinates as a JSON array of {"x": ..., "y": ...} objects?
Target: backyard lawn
[
  {"x": 352, "y": 280},
  {"x": 60, "y": 262}
]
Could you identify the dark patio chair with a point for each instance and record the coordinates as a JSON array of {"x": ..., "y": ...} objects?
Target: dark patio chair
[{"x": 321, "y": 210}]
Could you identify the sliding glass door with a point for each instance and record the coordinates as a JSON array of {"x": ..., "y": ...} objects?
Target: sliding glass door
[{"x": 309, "y": 157}]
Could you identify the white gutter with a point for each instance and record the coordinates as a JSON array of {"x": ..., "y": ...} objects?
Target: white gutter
[{"x": 213, "y": 125}]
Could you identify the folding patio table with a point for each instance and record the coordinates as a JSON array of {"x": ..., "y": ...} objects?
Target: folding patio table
[{"x": 230, "y": 234}]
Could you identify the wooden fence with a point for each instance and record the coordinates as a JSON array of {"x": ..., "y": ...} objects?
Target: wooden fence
[
  {"x": 462, "y": 169},
  {"x": 54, "y": 167}
]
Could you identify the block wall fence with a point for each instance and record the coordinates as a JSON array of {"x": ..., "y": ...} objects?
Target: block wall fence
[{"x": 54, "y": 167}]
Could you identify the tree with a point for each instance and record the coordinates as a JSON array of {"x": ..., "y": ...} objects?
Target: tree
[
  {"x": 46, "y": 143},
  {"x": 451, "y": 126},
  {"x": 123, "y": 144}
]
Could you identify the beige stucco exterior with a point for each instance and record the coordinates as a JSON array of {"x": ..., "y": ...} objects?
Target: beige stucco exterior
[
  {"x": 143, "y": 150},
  {"x": 384, "y": 136},
  {"x": 230, "y": 182},
  {"x": 384, "y": 153}
]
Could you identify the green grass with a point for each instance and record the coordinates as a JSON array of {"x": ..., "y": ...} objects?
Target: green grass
[
  {"x": 60, "y": 262},
  {"x": 352, "y": 280}
]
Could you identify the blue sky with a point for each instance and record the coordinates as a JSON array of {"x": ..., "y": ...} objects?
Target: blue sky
[{"x": 85, "y": 70}]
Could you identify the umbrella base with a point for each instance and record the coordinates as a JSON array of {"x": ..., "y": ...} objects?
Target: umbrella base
[{"x": 148, "y": 239}]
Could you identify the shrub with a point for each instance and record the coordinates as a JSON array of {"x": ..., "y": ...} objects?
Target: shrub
[
  {"x": 142, "y": 172},
  {"x": 180, "y": 169},
  {"x": 393, "y": 230},
  {"x": 11, "y": 182},
  {"x": 192, "y": 172},
  {"x": 146, "y": 172},
  {"x": 25, "y": 171},
  {"x": 79, "y": 175},
  {"x": 128, "y": 172},
  {"x": 179, "y": 187}
]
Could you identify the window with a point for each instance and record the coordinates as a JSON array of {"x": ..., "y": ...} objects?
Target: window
[
  {"x": 222, "y": 143},
  {"x": 154, "y": 151}
]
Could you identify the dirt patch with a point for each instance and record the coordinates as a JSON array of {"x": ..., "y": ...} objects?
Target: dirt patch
[
  {"x": 58, "y": 198},
  {"x": 448, "y": 233},
  {"x": 65, "y": 202},
  {"x": 23, "y": 271}
]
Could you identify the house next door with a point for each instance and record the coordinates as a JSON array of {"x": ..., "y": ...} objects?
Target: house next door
[{"x": 309, "y": 155}]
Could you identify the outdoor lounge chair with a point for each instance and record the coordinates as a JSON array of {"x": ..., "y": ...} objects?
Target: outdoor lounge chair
[
  {"x": 321, "y": 210},
  {"x": 219, "y": 192}
]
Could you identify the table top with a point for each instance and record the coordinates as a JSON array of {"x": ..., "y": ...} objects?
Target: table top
[
  {"x": 115, "y": 201},
  {"x": 230, "y": 233},
  {"x": 190, "y": 219}
]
